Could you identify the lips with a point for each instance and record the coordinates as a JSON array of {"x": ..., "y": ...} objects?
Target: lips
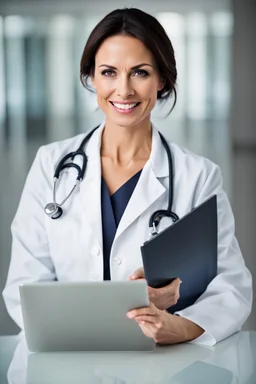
[{"x": 125, "y": 106}]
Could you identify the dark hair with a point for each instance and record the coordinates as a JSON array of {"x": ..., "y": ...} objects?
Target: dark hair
[{"x": 144, "y": 27}]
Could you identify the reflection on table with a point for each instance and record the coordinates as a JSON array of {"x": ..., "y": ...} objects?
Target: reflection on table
[{"x": 230, "y": 361}]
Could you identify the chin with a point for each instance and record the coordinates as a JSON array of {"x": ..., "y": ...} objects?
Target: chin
[{"x": 126, "y": 122}]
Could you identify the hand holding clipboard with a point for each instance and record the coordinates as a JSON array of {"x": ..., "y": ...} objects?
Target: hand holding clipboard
[
  {"x": 164, "y": 297},
  {"x": 188, "y": 249}
]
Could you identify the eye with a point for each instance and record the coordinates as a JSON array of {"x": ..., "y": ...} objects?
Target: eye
[
  {"x": 108, "y": 72},
  {"x": 140, "y": 73}
]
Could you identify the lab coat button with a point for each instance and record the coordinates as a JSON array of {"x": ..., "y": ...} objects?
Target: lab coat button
[
  {"x": 95, "y": 251},
  {"x": 117, "y": 261}
]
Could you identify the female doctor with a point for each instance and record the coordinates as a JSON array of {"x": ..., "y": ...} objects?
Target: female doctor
[{"x": 97, "y": 232}]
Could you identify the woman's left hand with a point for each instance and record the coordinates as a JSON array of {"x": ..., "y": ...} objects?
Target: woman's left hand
[
  {"x": 163, "y": 327},
  {"x": 164, "y": 297}
]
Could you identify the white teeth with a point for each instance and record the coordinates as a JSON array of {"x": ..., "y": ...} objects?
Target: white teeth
[{"x": 124, "y": 106}]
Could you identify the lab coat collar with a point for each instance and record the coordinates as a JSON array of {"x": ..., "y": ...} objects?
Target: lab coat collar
[
  {"x": 158, "y": 157},
  {"x": 92, "y": 148},
  {"x": 90, "y": 187},
  {"x": 147, "y": 190}
]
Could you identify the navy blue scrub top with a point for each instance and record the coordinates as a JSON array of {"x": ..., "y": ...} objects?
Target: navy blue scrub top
[{"x": 112, "y": 209}]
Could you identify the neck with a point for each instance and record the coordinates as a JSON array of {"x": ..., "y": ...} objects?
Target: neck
[{"x": 125, "y": 145}]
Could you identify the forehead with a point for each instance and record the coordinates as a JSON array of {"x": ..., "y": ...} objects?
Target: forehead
[{"x": 119, "y": 49}]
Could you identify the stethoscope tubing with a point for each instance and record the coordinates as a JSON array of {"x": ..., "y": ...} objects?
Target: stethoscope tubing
[{"x": 54, "y": 209}]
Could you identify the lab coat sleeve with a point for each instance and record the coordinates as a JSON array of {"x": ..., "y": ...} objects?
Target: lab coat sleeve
[
  {"x": 30, "y": 256},
  {"x": 226, "y": 304}
]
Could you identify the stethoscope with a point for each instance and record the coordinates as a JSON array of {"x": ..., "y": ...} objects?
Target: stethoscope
[{"x": 54, "y": 210}]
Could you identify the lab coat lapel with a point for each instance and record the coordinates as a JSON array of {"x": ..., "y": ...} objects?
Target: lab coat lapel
[
  {"x": 149, "y": 188},
  {"x": 90, "y": 187},
  {"x": 146, "y": 192}
]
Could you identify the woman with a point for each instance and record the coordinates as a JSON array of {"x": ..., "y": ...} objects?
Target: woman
[{"x": 131, "y": 64}]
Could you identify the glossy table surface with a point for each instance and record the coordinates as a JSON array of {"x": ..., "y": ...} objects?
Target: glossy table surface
[{"x": 231, "y": 361}]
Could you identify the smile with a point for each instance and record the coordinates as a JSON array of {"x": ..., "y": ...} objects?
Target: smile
[{"x": 124, "y": 107}]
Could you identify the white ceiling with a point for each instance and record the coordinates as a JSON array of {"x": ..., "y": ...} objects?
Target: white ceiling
[{"x": 102, "y": 7}]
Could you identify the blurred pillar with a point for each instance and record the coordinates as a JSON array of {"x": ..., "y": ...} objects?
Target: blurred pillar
[
  {"x": 15, "y": 30},
  {"x": 243, "y": 133},
  {"x": 60, "y": 80},
  {"x": 35, "y": 84},
  {"x": 2, "y": 79}
]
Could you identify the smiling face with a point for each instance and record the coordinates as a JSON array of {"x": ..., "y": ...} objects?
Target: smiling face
[{"x": 126, "y": 80}]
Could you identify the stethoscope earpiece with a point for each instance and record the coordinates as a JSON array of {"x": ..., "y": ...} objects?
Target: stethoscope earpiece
[{"x": 53, "y": 210}]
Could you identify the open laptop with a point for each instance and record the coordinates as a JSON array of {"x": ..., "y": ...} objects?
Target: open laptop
[{"x": 83, "y": 316}]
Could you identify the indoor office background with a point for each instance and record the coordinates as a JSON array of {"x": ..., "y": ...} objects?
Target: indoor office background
[{"x": 42, "y": 99}]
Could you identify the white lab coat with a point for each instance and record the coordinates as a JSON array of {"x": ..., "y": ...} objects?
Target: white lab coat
[{"x": 70, "y": 248}]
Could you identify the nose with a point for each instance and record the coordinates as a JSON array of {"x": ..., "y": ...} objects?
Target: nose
[{"x": 124, "y": 87}]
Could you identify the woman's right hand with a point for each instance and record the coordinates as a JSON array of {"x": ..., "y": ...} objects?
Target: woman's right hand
[{"x": 164, "y": 297}]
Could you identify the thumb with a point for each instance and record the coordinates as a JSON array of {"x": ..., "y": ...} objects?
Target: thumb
[
  {"x": 177, "y": 281},
  {"x": 138, "y": 274}
]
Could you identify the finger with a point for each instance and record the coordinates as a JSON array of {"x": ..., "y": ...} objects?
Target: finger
[
  {"x": 174, "y": 285},
  {"x": 135, "y": 278},
  {"x": 140, "y": 312},
  {"x": 152, "y": 291},
  {"x": 148, "y": 329},
  {"x": 155, "y": 292},
  {"x": 177, "y": 282},
  {"x": 138, "y": 274},
  {"x": 149, "y": 311},
  {"x": 148, "y": 319}
]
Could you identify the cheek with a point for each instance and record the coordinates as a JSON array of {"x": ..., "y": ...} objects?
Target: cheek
[
  {"x": 104, "y": 89},
  {"x": 149, "y": 92}
]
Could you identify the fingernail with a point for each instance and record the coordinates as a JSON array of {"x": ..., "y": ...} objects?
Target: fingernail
[{"x": 130, "y": 315}]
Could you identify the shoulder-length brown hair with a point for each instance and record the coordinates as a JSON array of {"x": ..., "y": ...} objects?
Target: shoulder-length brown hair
[{"x": 144, "y": 27}]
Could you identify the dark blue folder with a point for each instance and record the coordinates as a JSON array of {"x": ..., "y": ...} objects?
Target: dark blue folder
[{"x": 188, "y": 249}]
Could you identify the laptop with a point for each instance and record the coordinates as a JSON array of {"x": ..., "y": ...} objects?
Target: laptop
[
  {"x": 188, "y": 249},
  {"x": 83, "y": 316}
]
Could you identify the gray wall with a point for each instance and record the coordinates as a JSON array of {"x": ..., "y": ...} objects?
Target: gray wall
[{"x": 243, "y": 132}]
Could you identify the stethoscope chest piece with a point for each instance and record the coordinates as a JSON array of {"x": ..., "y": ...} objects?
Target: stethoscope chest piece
[{"x": 53, "y": 210}]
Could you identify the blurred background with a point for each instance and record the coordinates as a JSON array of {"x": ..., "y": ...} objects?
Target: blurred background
[{"x": 42, "y": 99}]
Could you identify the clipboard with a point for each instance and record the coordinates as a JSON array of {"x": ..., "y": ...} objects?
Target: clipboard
[{"x": 187, "y": 249}]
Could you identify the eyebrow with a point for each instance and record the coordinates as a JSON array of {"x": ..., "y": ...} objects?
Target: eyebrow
[{"x": 135, "y": 67}]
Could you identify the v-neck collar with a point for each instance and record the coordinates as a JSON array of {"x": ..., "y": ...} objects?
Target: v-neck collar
[
  {"x": 127, "y": 182},
  {"x": 112, "y": 210}
]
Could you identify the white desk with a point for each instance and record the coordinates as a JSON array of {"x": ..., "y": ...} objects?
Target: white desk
[{"x": 232, "y": 361}]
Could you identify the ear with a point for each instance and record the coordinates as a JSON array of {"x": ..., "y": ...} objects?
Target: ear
[
  {"x": 92, "y": 81},
  {"x": 161, "y": 84},
  {"x": 92, "y": 77}
]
